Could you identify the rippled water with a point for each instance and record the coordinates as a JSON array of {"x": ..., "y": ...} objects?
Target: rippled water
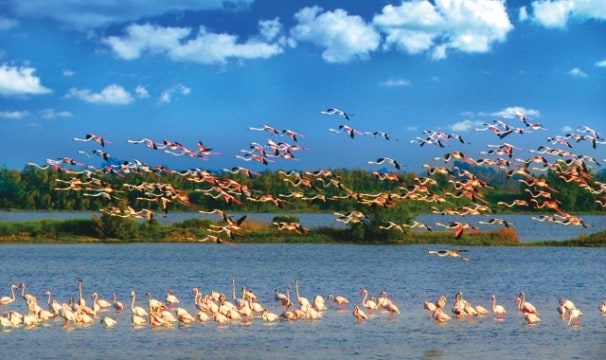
[
  {"x": 528, "y": 230},
  {"x": 407, "y": 273}
]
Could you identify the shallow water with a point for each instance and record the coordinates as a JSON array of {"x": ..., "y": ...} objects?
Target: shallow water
[{"x": 407, "y": 273}]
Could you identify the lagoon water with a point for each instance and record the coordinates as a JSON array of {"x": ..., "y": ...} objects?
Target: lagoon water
[{"x": 407, "y": 273}]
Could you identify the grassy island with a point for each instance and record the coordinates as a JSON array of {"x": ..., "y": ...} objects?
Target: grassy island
[{"x": 109, "y": 229}]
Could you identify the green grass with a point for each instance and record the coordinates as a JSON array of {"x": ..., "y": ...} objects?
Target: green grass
[{"x": 86, "y": 231}]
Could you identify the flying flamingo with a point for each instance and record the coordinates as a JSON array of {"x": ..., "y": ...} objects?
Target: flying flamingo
[
  {"x": 335, "y": 111},
  {"x": 93, "y": 137}
]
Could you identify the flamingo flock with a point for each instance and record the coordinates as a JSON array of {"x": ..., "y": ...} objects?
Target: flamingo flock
[
  {"x": 223, "y": 309},
  {"x": 462, "y": 194}
]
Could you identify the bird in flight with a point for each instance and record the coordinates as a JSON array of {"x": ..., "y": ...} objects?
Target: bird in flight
[
  {"x": 93, "y": 137},
  {"x": 382, "y": 160},
  {"x": 335, "y": 111},
  {"x": 451, "y": 253}
]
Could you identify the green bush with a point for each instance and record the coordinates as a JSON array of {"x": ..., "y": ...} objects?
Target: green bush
[{"x": 115, "y": 227}]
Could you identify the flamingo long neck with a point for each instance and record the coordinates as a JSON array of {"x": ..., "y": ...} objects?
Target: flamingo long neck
[
  {"x": 132, "y": 303},
  {"x": 49, "y": 301},
  {"x": 365, "y": 296},
  {"x": 197, "y": 298},
  {"x": 81, "y": 298},
  {"x": 297, "y": 289},
  {"x": 494, "y": 303}
]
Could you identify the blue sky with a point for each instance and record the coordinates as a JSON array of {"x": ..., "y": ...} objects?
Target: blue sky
[{"x": 190, "y": 71}]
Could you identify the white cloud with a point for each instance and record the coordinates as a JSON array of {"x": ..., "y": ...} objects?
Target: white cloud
[
  {"x": 146, "y": 38},
  {"x": 141, "y": 92},
  {"x": 7, "y": 24},
  {"x": 166, "y": 95},
  {"x": 17, "y": 81},
  {"x": 344, "y": 37},
  {"x": 52, "y": 113},
  {"x": 567, "y": 129},
  {"x": 557, "y": 13},
  {"x": 465, "y": 125},
  {"x": 205, "y": 47},
  {"x": 523, "y": 14},
  {"x": 465, "y": 25},
  {"x": 68, "y": 73},
  {"x": 551, "y": 14},
  {"x": 87, "y": 14},
  {"x": 14, "y": 115},
  {"x": 213, "y": 48},
  {"x": 513, "y": 111},
  {"x": 270, "y": 29},
  {"x": 395, "y": 82},
  {"x": 601, "y": 63},
  {"x": 576, "y": 72},
  {"x": 112, "y": 94}
]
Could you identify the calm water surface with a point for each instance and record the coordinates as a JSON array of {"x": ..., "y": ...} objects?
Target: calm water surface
[{"x": 407, "y": 273}]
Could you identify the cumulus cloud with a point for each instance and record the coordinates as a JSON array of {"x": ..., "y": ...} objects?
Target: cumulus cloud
[
  {"x": 21, "y": 80},
  {"x": 146, "y": 38},
  {"x": 213, "y": 48},
  {"x": 567, "y": 129},
  {"x": 344, "y": 37},
  {"x": 205, "y": 47},
  {"x": 465, "y": 125},
  {"x": 270, "y": 29},
  {"x": 514, "y": 111},
  {"x": 87, "y": 14},
  {"x": 141, "y": 92},
  {"x": 601, "y": 63},
  {"x": 470, "y": 26},
  {"x": 395, "y": 82},
  {"x": 6, "y": 23},
  {"x": 166, "y": 95},
  {"x": 112, "y": 94},
  {"x": 523, "y": 14},
  {"x": 577, "y": 72},
  {"x": 557, "y": 13},
  {"x": 14, "y": 115},
  {"x": 551, "y": 14},
  {"x": 52, "y": 113}
]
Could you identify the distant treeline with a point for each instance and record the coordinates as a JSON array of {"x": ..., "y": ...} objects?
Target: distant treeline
[{"x": 35, "y": 189}]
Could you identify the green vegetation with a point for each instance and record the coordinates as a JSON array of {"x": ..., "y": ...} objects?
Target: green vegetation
[
  {"x": 381, "y": 201},
  {"x": 111, "y": 229},
  {"x": 34, "y": 189},
  {"x": 116, "y": 229},
  {"x": 593, "y": 240}
]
